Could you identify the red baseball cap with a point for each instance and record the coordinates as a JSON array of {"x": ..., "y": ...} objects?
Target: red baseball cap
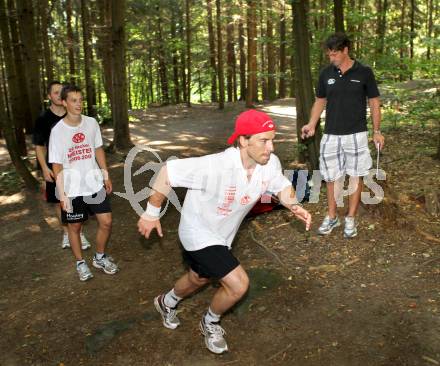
[{"x": 251, "y": 122}]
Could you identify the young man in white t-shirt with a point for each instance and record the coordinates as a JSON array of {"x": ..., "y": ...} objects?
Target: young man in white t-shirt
[
  {"x": 82, "y": 180},
  {"x": 222, "y": 188}
]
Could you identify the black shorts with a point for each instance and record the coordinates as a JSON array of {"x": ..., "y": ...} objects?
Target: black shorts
[
  {"x": 50, "y": 193},
  {"x": 83, "y": 206},
  {"x": 214, "y": 262}
]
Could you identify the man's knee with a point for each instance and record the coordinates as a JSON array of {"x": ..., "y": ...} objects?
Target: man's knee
[
  {"x": 105, "y": 222},
  {"x": 75, "y": 227},
  {"x": 236, "y": 283}
]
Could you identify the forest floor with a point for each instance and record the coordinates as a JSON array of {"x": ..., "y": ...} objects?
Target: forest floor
[{"x": 326, "y": 301}]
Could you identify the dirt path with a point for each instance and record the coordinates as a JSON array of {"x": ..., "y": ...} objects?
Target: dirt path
[{"x": 331, "y": 301}]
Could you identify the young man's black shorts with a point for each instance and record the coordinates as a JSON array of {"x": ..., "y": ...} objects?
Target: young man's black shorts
[
  {"x": 50, "y": 193},
  {"x": 214, "y": 262},
  {"x": 83, "y": 206}
]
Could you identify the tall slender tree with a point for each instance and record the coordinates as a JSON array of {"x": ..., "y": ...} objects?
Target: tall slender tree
[
  {"x": 121, "y": 138},
  {"x": 221, "y": 79},
  {"x": 188, "y": 51},
  {"x": 251, "y": 89},
  {"x": 26, "y": 23},
  {"x": 282, "y": 58},
  {"x": 304, "y": 90},
  {"x": 22, "y": 111},
  {"x": 45, "y": 16},
  {"x": 271, "y": 56},
  {"x": 338, "y": 12},
  {"x": 88, "y": 60},
  {"x": 212, "y": 52},
  {"x": 243, "y": 59},
  {"x": 6, "y": 125},
  {"x": 231, "y": 62},
  {"x": 70, "y": 42}
]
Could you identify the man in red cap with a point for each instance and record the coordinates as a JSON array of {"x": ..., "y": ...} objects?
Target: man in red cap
[{"x": 222, "y": 188}]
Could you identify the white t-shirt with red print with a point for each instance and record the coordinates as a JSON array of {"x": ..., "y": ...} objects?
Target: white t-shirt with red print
[
  {"x": 74, "y": 148},
  {"x": 219, "y": 195}
]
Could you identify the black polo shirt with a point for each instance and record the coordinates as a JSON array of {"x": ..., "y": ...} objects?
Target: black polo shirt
[
  {"x": 43, "y": 126},
  {"x": 346, "y": 94}
]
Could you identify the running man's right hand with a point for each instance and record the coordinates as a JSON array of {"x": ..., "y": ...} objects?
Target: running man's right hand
[
  {"x": 307, "y": 131},
  {"x": 65, "y": 204},
  {"x": 147, "y": 224}
]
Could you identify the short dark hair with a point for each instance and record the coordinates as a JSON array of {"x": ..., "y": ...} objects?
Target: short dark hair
[
  {"x": 337, "y": 42},
  {"x": 69, "y": 88},
  {"x": 51, "y": 84}
]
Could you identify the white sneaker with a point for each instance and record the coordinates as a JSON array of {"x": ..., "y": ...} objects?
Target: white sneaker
[
  {"x": 169, "y": 315},
  {"x": 350, "y": 230},
  {"x": 66, "y": 243},
  {"x": 84, "y": 272},
  {"x": 214, "y": 339},
  {"x": 85, "y": 244},
  {"x": 328, "y": 225}
]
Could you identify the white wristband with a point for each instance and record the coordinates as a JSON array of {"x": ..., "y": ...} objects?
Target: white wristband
[{"x": 152, "y": 211}]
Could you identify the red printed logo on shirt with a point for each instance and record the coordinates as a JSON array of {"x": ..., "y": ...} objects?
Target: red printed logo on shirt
[{"x": 78, "y": 138}]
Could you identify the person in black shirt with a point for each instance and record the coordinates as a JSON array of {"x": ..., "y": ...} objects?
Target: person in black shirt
[
  {"x": 343, "y": 89},
  {"x": 43, "y": 126}
]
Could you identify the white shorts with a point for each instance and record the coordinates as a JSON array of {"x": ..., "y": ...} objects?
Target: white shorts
[{"x": 344, "y": 154}]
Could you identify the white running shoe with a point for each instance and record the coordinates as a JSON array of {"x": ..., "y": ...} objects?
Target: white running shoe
[
  {"x": 214, "y": 339},
  {"x": 84, "y": 272},
  {"x": 350, "y": 230},
  {"x": 106, "y": 264},
  {"x": 169, "y": 315},
  {"x": 65, "y": 243},
  {"x": 328, "y": 225},
  {"x": 85, "y": 244}
]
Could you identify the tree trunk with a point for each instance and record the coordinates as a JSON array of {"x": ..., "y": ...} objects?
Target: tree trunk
[
  {"x": 429, "y": 31},
  {"x": 183, "y": 57},
  {"x": 305, "y": 96},
  {"x": 282, "y": 80},
  {"x": 6, "y": 126},
  {"x": 221, "y": 79},
  {"x": 88, "y": 60},
  {"x": 402, "y": 43},
  {"x": 263, "y": 46},
  {"x": 45, "y": 24},
  {"x": 382, "y": 15},
  {"x": 251, "y": 90},
  {"x": 22, "y": 110},
  {"x": 242, "y": 55},
  {"x": 412, "y": 34},
  {"x": 338, "y": 11},
  {"x": 70, "y": 41},
  {"x": 121, "y": 138},
  {"x": 188, "y": 51},
  {"x": 271, "y": 56},
  {"x": 231, "y": 74},
  {"x": 30, "y": 56},
  {"x": 162, "y": 60},
  {"x": 175, "y": 61},
  {"x": 212, "y": 53},
  {"x": 104, "y": 45}
]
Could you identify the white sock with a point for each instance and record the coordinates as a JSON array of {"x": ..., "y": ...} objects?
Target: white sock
[
  {"x": 78, "y": 263},
  {"x": 171, "y": 299},
  {"x": 211, "y": 317},
  {"x": 99, "y": 256}
]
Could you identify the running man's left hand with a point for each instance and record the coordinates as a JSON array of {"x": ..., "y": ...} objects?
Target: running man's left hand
[
  {"x": 303, "y": 215},
  {"x": 108, "y": 186}
]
